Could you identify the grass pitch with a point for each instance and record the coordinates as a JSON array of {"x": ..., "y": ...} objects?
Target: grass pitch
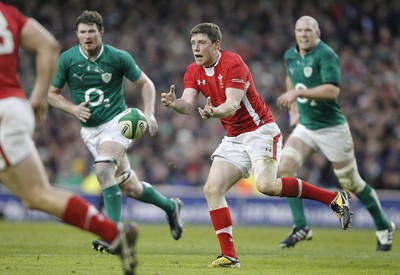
[{"x": 52, "y": 248}]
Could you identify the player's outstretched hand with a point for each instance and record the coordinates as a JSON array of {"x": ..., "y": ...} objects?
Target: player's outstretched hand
[
  {"x": 169, "y": 99},
  {"x": 208, "y": 110}
]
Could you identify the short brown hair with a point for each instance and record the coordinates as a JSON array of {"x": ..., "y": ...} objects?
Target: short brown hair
[
  {"x": 210, "y": 29},
  {"x": 90, "y": 18}
]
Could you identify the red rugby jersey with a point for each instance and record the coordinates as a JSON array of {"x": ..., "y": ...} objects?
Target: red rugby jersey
[
  {"x": 230, "y": 71},
  {"x": 11, "y": 24}
]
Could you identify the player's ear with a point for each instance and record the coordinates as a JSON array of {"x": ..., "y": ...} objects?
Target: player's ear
[{"x": 218, "y": 45}]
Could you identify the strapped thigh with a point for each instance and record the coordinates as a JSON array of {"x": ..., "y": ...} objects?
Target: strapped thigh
[
  {"x": 294, "y": 154},
  {"x": 106, "y": 159}
]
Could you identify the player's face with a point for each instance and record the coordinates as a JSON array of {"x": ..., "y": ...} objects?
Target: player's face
[
  {"x": 89, "y": 38},
  {"x": 205, "y": 52},
  {"x": 307, "y": 35}
]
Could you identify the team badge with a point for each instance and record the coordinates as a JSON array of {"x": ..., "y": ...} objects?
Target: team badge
[
  {"x": 307, "y": 71},
  {"x": 106, "y": 77},
  {"x": 221, "y": 84}
]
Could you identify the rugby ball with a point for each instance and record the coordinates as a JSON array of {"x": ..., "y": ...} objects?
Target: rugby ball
[{"x": 132, "y": 124}]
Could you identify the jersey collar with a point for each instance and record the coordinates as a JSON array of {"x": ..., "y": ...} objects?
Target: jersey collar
[
  {"x": 210, "y": 70},
  {"x": 316, "y": 45},
  {"x": 86, "y": 57}
]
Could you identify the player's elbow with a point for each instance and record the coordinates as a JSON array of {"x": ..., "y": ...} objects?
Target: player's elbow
[
  {"x": 51, "y": 96},
  {"x": 53, "y": 46},
  {"x": 333, "y": 91},
  {"x": 231, "y": 109},
  {"x": 336, "y": 92}
]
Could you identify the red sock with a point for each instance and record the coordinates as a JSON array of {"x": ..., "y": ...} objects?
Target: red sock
[
  {"x": 85, "y": 216},
  {"x": 293, "y": 188},
  {"x": 222, "y": 222}
]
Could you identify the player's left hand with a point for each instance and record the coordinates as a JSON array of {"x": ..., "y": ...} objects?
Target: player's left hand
[
  {"x": 151, "y": 123},
  {"x": 208, "y": 110},
  {"x": 169, "y": 99},
  {"x": 39, "y": 107},
  {"x": 285, "y": 100}
]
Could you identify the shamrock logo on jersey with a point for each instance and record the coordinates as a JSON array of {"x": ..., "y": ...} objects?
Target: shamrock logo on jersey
[
  {"x": 307, "y": 71},
  {"x": 106, "y": 77}
]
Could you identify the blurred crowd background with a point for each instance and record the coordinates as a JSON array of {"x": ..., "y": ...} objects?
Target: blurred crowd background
[{"x": 365, "y": 34}]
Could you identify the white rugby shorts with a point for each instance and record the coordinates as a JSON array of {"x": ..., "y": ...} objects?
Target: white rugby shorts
[
  {"x": 94, "y": 136},
  {"x": 243, "y": 150},
  {"x": 17, "y": 123},
  {"x": 335, "y": 143}
]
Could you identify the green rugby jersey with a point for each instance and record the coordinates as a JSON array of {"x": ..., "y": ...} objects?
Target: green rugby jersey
[
  {"x": 320, "y": 66},
  {"x": 99, "y": 81}
]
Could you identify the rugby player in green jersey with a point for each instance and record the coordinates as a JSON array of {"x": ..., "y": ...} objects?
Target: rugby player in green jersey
[
  {"x": 313, "y": 86},
  {"x": 94, "y": 72}
]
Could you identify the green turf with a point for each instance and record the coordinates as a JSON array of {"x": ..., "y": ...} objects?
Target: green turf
[{"x": 52, "y": 248}]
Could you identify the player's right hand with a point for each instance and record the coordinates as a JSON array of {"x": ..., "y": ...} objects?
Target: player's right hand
[
  {"x": 208, "y": 110},
  {"x": 39, "y": 106},
  {"x": 82, "y": 112},
  {"x": 169, "y": 99},
  {"x": 152, "y": 124}
]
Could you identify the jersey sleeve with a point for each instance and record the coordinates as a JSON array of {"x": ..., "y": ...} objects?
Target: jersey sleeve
[
  {"x": 12, "y": 22},
  {"x": 237, "y": 75},
  {"x": 130, "y": 69},
  {"x": 189, "y": 79},
  {"x": 20, "y": 18},
  {"x": 286, "y": 57},
  {"x": 60, "y": 78},
  {"x": 330, "y": 68}
]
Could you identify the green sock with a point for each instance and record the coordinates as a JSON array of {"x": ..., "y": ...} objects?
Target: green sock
[
  {"x": 113, "y": 202},
  {"x": 370, "y": 200},
  {"x": 298, "y": 213},
  {"x": 151, "y": 195}
]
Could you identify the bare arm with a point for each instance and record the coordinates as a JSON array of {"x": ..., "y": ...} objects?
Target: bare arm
[
  {"x": 294, "y": 115},
  {"x": 34, "y": 37},
  {"x": 58, "y": 101},
  {"x": 184, "y": 105},
  {"x": 149, "y": 100},
  {"x": 226, "y": 109},
  {"x": 321, "y": 92}
]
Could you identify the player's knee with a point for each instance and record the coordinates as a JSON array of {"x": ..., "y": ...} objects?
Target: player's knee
[
  {"x": 207, "y": 190},
  {"x": 212, "y": 190},
  {"x": 265, "y": 172},
  {"x": 29, "y": 204},
  {"x": 35, "y": 202},
  {"x": 350, "y": 179},
  {"x": 264, "y": 186},
  {"x": 103, "y": 175},
  {"x": 105, "y": 168}
]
